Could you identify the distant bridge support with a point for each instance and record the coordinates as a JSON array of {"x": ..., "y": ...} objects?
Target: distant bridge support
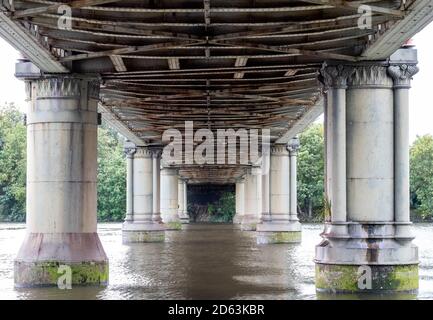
[
  {"x": 282, "y": 225},
  {"x": 61, "y": 237},
  {"x": 169, "y": 199},
  {"x": 183, "y": 201},
  {"x": 240, "y": 200},
  {"x": 253, "y": 207},
  {"x": 367, "y": 244},
  {"x": 140, "y": 224}
]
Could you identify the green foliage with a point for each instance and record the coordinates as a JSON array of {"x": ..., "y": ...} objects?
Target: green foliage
[
  {"x": 12, "y": 164},
  {"x": 224, "y": 209},
  {"x": 111, "y": 176},
  {"x": 311, "y": 171},
  {"x": 421, "y": 176}
]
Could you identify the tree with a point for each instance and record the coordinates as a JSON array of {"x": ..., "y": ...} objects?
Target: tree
[
  {"x": 224, "y": 209},
  {"x": 311, "y": 170},
  {"x": 12, "y": 164},
  {"x": 421, "y": 176},
  {"x": 111, "y": 176}
]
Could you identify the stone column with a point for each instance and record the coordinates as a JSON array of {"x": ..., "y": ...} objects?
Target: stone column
[
  {"x": 182, "y": 198},
  {"x": 240, "y": 200},
  {"x": 253, "y": 208},
  {"x": 142, "y": 228},
  {"x": 280, "y": 228},
  {"x": 61, "y": 184},
  {"x": 129, "y": 152},
  {"x": 156, "y": 153},
  {"x": 169, "y": 199},
  {"x": 335, "y": 80},
  {"x": 376, "y": 245},
  {"x": 401, "y": 71},
  {"x": 293, "y": 151},
  {"x": 265, "y": 167}
]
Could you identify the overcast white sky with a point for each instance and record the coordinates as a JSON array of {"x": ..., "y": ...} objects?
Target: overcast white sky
[{"x": 421, "y": 95}]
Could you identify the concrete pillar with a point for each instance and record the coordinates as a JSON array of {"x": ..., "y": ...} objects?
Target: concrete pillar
[
  {"x": 157, "y": 152},
  {"x": 374, "y": 241},
  {"x": 142, "y": 227},
  {"x": 335, "y": 128},
  {"x": 240, "y": 200},
  {"x": 293, "y": 151},
  {"x": 129, "y": 152},
  {"x": 282, "y": 226},
  {"x": 61, "y": 185},
  {"x": 401, "y": 73},
  {"x": 253, "y": 207},
  {"x": 182, "y": 198},
  {"x": 169, "y": 199},
  {"x": 266, "y": 214}
]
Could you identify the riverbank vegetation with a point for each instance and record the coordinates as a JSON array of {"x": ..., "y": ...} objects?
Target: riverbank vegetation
[{"x": 112, "y": 184}]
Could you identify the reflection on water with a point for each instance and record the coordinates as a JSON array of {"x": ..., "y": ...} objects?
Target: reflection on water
[{"x": 204, "y": 261}]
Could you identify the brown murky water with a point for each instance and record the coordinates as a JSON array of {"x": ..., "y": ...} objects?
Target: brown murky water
[{"x": 203, "y": 262}]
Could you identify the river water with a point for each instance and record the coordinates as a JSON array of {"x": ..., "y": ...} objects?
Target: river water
[{"x": 204, "y": 261}]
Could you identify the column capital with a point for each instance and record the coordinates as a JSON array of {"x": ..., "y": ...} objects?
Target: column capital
[
  {"x": 240, "y": 179},
  {"x": 183, "y": 180},
  {"x": 293, "y": 146},
  {"x": 335, "y": 76},
  {"x": 279, "y": 149},
  {"x": 402, "y": 74},
  {"x": 60, "y": 86},
  {"x": 143, "y": 152},
  {"x": 129, "y": 149},
  {"x": 169, "y": 171},
  {"x": 156, "y": 151},
  {"x": 370, "y": 75}
]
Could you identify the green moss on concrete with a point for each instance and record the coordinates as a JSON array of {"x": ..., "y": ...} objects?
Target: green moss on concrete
[
  {"x": 143, "y": 236},
  {"x": 174, "y": 225},
  {"x": 337, "y": 277},
  {"x": 344, "y": 278},
  {"x": 47, "y": 273},
  {"x": 270, "y": 237},
  {"x": 248, "y": 226},
  {"x": 403, "y": 278}
]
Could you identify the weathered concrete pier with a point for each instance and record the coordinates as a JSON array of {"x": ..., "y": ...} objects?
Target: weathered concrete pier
[{"x": 155, "y": 67}]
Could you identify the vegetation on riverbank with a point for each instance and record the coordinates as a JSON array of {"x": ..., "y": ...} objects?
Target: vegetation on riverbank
[
  {"x": 112, "y": 184},
  {"x": 224, "y": 209}
]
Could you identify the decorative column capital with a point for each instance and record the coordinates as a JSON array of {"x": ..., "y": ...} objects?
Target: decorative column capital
[
  {"x": 129, "y": 152},
  {"x": 293, "y": 146},
  {"x": 240, "y": 179},
  {"x": 143, "y": 152},
  {"x": 279, "y": 149},
  {"x": 336, "y": 76},
  {"x": 183, "y": 180},
  {"x": 156, "y": 152},
  {"x": 63, "y": 86},
  {"x": 402, "y": 74},
  {"x": 370, "y": 75},
  {"x": 129, "y": 149}
]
